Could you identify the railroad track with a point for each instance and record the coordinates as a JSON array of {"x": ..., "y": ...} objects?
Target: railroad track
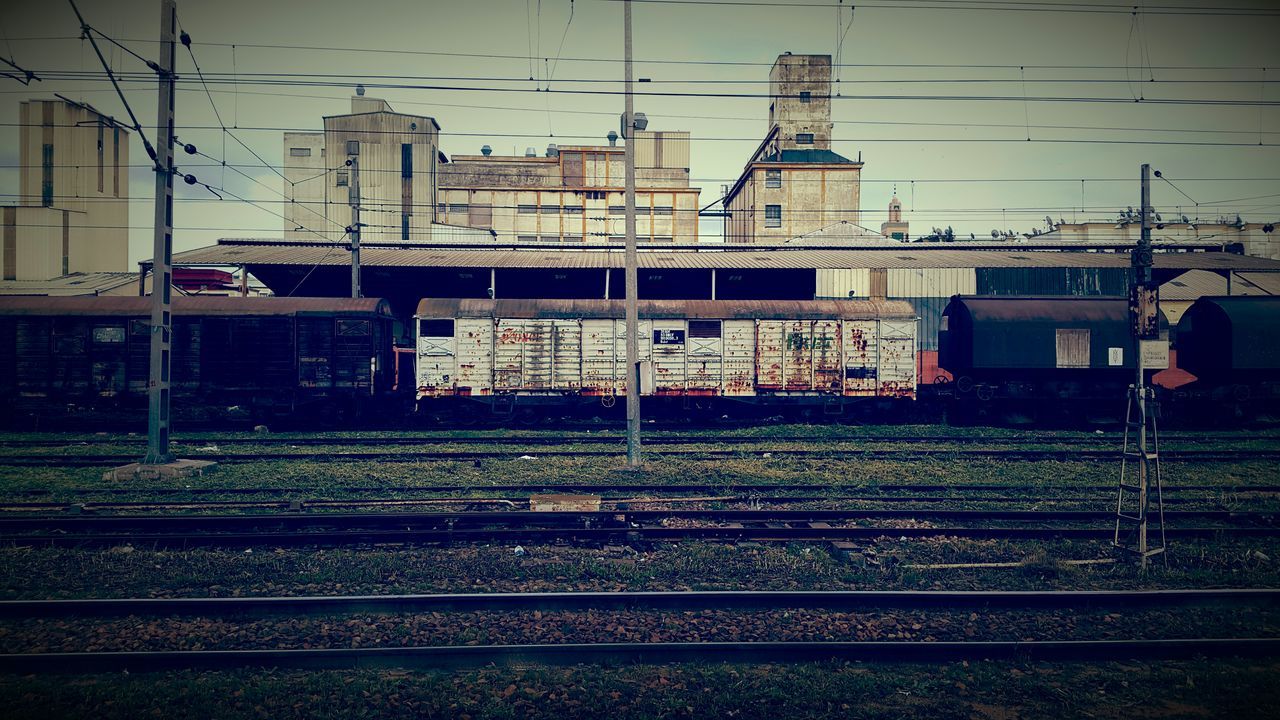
[
  {"x": 104, "y": 460},
  {"x": 606, "y": 489},
  {"x": 684, "y": 439},
  {"x": 336, "y": 529},
  {"x": 453, "y": 656}
]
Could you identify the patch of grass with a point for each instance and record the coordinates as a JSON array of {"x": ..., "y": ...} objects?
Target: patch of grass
[{"x": 983, "y": 690}]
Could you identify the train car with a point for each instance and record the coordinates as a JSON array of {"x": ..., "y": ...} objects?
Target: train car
[
  {"x": 1032, "y": 356},
  {"x": 1232, "y": 347},
  {"x": 696, "y": 354},
  {"x": 263, "y": 356}
]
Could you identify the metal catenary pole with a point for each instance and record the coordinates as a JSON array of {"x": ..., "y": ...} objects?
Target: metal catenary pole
[
  {"x": 1142, "y": 272},
  {"x": 355, "y": 224},
  {"x": 632, "y": 284},
  {"x": 162, "y": 250}
]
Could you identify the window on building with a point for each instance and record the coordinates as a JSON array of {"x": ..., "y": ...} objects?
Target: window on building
[
  {"x": 617, "y": 209},
  {"x": 550, "y": 238},
  {"x": 805, "y": 96},
  {"x": 804, "y": 138},
  {"x": 299, "y": 152},
  {"x": 573, "y": 209},
  {"x": 528, "y": 209},
  {"x": 527, "y": 238},
  {"x": 441, "y": 208},
  {"x": 342, "y": 178},
  {"x": 460, "y": 208},
  {"x": 573, "y": 238},
  {"x": 46, "y": 182},
  {"x": 406, "y": 160},
  {"x": 404, "y": 227},
  {"x": 661, "y": 239},
  {"x": 353, "y": 147},
  {"x": 773, "y": 178},
  {"x": 662, "y": 210},
  {"x": 618, "y": 238},
  {"x": 773, "y": 216},
  {"x": 549, "y": 209}
]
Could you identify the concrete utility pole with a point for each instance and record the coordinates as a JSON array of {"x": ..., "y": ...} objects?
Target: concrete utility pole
[
  {"x": 354, "y": 193},
  {"x": 162, "y": 249},
  {"x": 632, "y": 282}
]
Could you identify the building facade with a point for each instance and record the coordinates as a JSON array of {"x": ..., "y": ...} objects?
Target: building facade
[
  {"x": 72, "y": 215},
  {"x": 574, "y": 194},
  {"x": 394, "y": 157},
  {"x": 794, "y": 184},
  {"x": 1256, "y": 239}
]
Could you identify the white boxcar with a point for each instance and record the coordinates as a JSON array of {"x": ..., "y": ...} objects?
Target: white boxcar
[{"x": 704, "y": 348}]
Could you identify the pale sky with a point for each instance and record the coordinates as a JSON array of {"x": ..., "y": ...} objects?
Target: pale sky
[{"x": 933, "y": 142}]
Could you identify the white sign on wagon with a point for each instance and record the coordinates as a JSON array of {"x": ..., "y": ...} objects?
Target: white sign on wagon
[
  {"x": 1115, "y": 356},
  {"x": 1155, "y": 354}
]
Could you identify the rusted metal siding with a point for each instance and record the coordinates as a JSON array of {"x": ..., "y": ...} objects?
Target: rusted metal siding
[
  {"x": 739, "y": 357},
  {"x": 897, "y": 358}
]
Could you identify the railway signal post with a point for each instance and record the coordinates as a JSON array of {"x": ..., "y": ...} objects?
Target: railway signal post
[{"x": 1140, "y": 467}]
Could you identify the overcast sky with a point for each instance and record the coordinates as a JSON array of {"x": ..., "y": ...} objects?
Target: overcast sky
[{"x": 933, "y": 142}]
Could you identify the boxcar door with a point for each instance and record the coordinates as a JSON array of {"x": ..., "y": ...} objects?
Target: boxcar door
[
  {"x": 473, "y": 372},
  {"x": 861, "y": 357},
  {"x": 1072, "y": 348},
  {"x": 110, "y": 350},
  {"x": 739, "y": 356},
  {"x": 317, "y": 354},
  {"x": 897, "y": 358},
  {"x": 566, "y": 362},
  {"x": 600, "y": 365},
  {"x": 798, "y": 358},
  {"x": 436, "y": 365},
  {"x": 828, "y": 361},
  {"x": 706, "y": 357},
  {"x": 770, "y": 353},
  {"x": 670, "y": 343}
]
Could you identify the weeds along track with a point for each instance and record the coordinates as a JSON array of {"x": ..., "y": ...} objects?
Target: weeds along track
[
  {"x": 1038, "y": 455},
  {"x": 654, "y": 439},
  {"x": 650, "y": 627},
  {"x": 632, "y": 526}
]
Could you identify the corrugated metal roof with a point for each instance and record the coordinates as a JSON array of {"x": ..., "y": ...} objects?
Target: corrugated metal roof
[
  {"x": 1045, "y": 309},
  {"x": 712, "y": 309},
  {"x": 95, "y": 283},
  {"x": 1195, "y": 284},
  {"x": 909, "y": 256},
  {"x": 135, "y": 306}
]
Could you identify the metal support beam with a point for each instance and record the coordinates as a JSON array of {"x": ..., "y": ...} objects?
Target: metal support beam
[
  {"x": 162, "y": 248},
  {"x": 354, "y": 198},
  {"x": 632, "y": 282}
]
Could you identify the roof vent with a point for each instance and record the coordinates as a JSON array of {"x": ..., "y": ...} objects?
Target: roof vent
[
  {"x": 613, "y": 138},
  {"x": 553, "y": 151},
  {"x": 486, "y": 151},
  {"x": 530, "y": 152}
]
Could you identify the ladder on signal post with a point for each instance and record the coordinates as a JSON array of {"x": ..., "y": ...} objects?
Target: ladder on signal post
[{"x": 1139, "y": 477}]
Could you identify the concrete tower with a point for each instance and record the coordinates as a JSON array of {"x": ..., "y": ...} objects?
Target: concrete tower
[{"x": 800, "y": 101}]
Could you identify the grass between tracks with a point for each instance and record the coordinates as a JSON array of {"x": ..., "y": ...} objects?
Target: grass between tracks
[
  {"x": 333, "y": 480},
  {"x": 31, "y": 573},
  {"x": 981, "y": 690}
]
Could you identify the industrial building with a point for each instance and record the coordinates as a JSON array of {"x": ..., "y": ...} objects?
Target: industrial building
[
  {"x": 1253, "y": 238},
  {"x": 411, "y": 192},
  {"x": 794, "y": 184},
  {"x": 72, "y": 214},
  {"x": 574, "y": 194}
]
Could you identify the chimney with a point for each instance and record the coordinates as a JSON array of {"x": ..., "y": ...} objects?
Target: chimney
[
  {"x": 613, "y": 138},
  {"x": 553, "y": 151},
  {"x": 486, "y": 151}
]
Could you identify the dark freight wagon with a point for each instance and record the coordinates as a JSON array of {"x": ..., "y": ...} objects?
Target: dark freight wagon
[
  {"x": 261, "y": 355},
  {"x": 1232, "y": 346},
  {"x": 1017, "y": 352}
]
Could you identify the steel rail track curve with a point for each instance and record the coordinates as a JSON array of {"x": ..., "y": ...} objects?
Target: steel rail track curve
[{"x": 454, "y": 657}]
